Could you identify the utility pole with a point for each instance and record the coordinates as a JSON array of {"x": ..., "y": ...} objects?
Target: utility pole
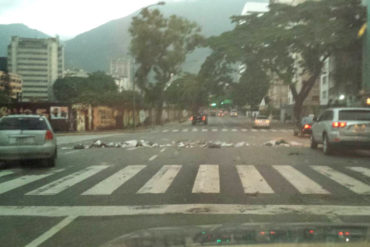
[{"x": 365, "y": 92}]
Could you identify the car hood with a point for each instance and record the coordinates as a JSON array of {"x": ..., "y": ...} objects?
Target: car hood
[{"x": 318, "y": 234}]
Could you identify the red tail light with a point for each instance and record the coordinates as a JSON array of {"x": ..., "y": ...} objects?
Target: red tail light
[
  {"x": 307, "y": 126},
  {"x": 191, "y": 118},
  {"x": 204, "y": 118},
  {"x": 49, "y": 135},
  {"x": 339, "y": 124}
]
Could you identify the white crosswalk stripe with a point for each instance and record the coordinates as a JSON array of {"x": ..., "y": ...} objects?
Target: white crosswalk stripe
[
  {"x": 263, "y": 130},
  {"x": 234, "y": 130},
  {"x": 273, "y": 130},
  {"x": 165, "y": 131},
  {"x": 343, "y": 179},
  {"x": 362, "y": 170},
  {"x": 66, "y": 182},
  {"x": 244, "y": 130},
  {"x": 301, "y": 182},
  {"x": 194, "y": 130},
  {"x": 161, "y": 181},
  {"x": 207, "y": 180},
  {"x": 214, "y": 130},
  {"x": 254, "y": 130},
  {"x": 224, "y": 130},
  {"x": 23, "y": 180},
  {"x": 185, "y": 130},
  {"x": 204, "y": 130},
  {"x": 5, "y": 173},
  {"x": 252, "y": 180},
  {"x": 112, "y": 183},
  {"x": 175, "y": 130}
]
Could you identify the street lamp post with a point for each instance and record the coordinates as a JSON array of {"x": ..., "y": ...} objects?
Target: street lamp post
[{"x": 134, "y": 81}]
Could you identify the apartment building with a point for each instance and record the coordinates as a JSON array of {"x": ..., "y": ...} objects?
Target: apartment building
[
  {"x": 15, "y": 84},
  {"x": 39, "y": 62}
]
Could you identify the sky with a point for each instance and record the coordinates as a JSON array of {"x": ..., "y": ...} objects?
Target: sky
[{"x": 67, "y": 18}]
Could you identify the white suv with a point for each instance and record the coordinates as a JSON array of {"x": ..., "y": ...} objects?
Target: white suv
[{"x": 342, "y": 127}]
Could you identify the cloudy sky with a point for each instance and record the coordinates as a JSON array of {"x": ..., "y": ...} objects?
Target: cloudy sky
[{"x": 67, "y": 18}]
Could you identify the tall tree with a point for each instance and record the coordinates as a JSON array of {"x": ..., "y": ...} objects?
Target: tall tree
[{"x": 160, "y": 46}]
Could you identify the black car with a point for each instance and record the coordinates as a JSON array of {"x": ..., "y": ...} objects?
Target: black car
[
  {"x": 304, "y": 127},
  {"x": 199, "y": 118}
]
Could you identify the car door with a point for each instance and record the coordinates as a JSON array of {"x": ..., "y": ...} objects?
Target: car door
[{"x": 318, "y": 127}]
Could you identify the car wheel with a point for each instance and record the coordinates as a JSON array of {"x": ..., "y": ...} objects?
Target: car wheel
[
  {"x": 313, "y": 143},
  {"x": 3, "y": 165},
  {"x": 327, "y": 148},
  {"x": 193, "y": 123},
  {"x": 295, "y": 132}
]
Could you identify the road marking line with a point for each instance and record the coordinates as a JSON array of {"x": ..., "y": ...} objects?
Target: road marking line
[
  {"x": 204, "y": 130},
  {"x": 263, "y": 130},
  {"x": 252, "y": 180},
  {"x": 194, "y": 130},
  {"x": 207, "y": 180},
  {"x": 153, "y": 157},
  {"x": 165, "y": 131},
  {"x": 224, "y": 130},
  {"x": 185, "y": 130},
  {"x": 362, "y": 170},
  {"x": 71, "y": 152},
  {"x": 254, "y": 130},
  {"x": 5, "y": 173},
  {"x": 51, "y": 232},
  {"x": 161, "y": 181},
  {"x": 214, "y": 130},
  {"x": 300, "y": 181},
  {"x": 244, "y": 130},
  {"x": 234, "y": 130},
  {"x": 188, "y": 209},
  {"x": 175, "y": 130},
  {"x": 162, "y": 150},
  {"x": 273, "y": 130},
  {"x": 23, "y": 180},
  {"x": 110, "y": 184},
  {"x": 66, "y": 182},
  {"x": 343, "y": 179}
]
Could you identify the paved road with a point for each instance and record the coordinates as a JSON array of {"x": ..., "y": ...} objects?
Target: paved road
[{"x": 97, "y": 194}]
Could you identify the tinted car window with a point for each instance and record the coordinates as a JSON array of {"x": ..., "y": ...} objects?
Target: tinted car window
[
  {"x": 23, "y": 124},
  {"x": 360, "y": 115},
  {"x": 261, "y": 117},
  {"x": 326, "y": 116}
]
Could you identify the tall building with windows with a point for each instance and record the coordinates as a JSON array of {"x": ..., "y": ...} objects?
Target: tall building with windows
[{"x": 39, "y": 62}]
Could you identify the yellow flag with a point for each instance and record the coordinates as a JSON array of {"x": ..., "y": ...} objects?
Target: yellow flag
[{"x": 362, "y": 30}]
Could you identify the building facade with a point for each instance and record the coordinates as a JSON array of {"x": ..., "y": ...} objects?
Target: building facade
[
  {"x": 40, "y": 62},
  {"x": 121, "y": 69},
  {"x": 15, "y": 84}
]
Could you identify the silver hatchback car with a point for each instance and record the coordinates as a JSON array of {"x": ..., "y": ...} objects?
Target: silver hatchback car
[
  {"x": 24, "y": 137},
  {"x": 342, "y": 127}
]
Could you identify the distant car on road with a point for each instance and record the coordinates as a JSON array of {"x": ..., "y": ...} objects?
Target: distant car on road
[
  {"x": 342, "y": 127},
  {"x": 234, "y": 113},
  {"x": 261, "y": 121},
  {"x": 199, "y": 118},
  {"x": 27, "y": 137},
  {"x": 304, "y": 127}
]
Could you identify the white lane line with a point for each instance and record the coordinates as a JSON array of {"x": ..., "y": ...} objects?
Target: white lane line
[
  {"x": 244, "y": 130},
  {"x": 185, "y": 130},
  {"x": 204, "y": 130},
  {"x": 161, "y": 181},
  {"x": 214, "y": 130},
  {"x": 153, "y": 157},
  {"x": 194, "y": 130},
  {"x": 263, "y": 130},
  {"x": 162, "y": 150},
  {"x": 110, "y": 184},
  {"x": 207, "y": 180},
  {"x": 254, "y": 130},
  {"x": 301, "y": 182},
  {"x": 175, "y": 130},
  {"x": 362, "y": 170},
  {"x": 5, "y": 173},
  {"x": 23, "y": 180},
  {"x": 224, "y": 130},
  {"x": 71, "y": 152},
  {"x": 51, "y": 232},
  {"x": 343, "y": 179},
  {"x": 189, "y": 209},
  {"x": 66, "y": 182},
  {"x": 165, "y": 131},
  {"x": 234, "y": 130},
  {"x": 252, "y": 180},
  {"x": 273, "y": 130}
]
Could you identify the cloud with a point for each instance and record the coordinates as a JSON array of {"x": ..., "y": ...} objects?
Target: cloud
[{"x": 6, "y": 5}]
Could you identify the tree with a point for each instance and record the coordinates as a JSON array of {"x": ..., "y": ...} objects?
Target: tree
[
  {"x": 5, "y": 93},
  {"x": 160, "y": 46}
]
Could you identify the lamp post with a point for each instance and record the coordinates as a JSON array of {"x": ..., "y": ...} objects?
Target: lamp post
[{"x": 134, "y": 80}]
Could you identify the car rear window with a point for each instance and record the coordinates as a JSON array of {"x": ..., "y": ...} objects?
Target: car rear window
[
  {"x": 23, "y": 124},
  {"x": 359, "y": 115},
  {"x": 261, "y": 117}
]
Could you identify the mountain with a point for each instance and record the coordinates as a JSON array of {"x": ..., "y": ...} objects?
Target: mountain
[
  {"x": 9, "y": 30},
  {"x": 93, "y": 50}
]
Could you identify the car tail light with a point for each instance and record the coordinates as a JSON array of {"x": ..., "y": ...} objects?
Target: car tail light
[
  {"x": 339, "y": 124},
  {"x": 204, "y": 118},
  {"x": 49, "y": 135},
  {"x": 191, "y": 118},
  {"x": 307, "y": 126}
]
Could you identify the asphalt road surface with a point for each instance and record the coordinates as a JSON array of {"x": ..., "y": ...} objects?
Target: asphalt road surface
[{"x": 220, "y": 173}]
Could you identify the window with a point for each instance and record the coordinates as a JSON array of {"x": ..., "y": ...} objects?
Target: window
[
  {"x": 326, "y": 116},
  {"x": 359, "y": 115},
  {"x": 23, "y": 124}
]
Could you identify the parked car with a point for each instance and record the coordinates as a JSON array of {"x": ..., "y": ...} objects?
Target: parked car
[
  {"x": 304, "y": 127},
  {"x": 233, "y": 113},
  {"x": 26, "y": 137},
  {"x": 342, "y": 127},
  {"x": 261, "y": 121},
  {"x": 199, "y": 118}
]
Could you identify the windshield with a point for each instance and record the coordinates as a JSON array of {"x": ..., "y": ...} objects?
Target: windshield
[
  {"x": 356, "y": 115},
  {"x": 23, "y": 124},
  {"x": 200, "y": 116}
]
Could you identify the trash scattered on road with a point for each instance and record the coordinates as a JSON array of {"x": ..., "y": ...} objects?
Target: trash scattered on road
[
  {"x": 78, "y": 146},
  {"x": 282, "y": 143}
]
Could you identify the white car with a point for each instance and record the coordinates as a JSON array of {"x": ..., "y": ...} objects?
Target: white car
[
  {"x": 342, "y": 127},
  {"x": 261, "y": 122}
]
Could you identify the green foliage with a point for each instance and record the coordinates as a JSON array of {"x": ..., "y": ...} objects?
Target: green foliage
[{"x": 160, "y": 46}]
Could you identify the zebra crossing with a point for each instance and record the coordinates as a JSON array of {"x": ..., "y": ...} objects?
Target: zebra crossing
[
  {"x": 234, "y": 130},
  {"x": 206, "y": 181}
]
